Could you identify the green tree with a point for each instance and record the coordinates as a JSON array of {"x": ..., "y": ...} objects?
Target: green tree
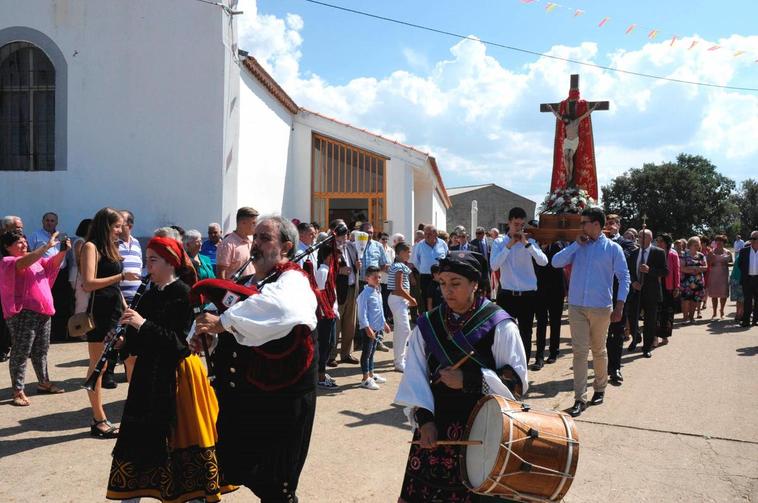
[
  {"x": 746, "y": 201},
  {"x": 684, "y": 197}
]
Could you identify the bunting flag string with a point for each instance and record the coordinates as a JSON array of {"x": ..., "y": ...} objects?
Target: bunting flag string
[{"x": 632, "y": 28}]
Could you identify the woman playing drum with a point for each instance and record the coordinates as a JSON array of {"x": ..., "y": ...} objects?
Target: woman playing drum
[{"x": 465, "y": 327}]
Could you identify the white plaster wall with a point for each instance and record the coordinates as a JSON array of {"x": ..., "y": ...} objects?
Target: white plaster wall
[
  {"x": 402, "y": 200},
  {"x": 147, "y": 106},
  {"x": 264, "y": 147},
  {"x": 424, "y": 197},
  {"x": 439, "y": 212}
]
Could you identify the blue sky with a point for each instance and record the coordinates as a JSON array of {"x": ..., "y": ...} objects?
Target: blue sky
[{"x": 475, "y": 107}]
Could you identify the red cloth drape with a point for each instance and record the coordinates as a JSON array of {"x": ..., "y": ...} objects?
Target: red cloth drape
[{"x": 585, "y": 171}]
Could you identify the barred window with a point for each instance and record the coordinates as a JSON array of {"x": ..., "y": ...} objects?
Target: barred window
[{"x": 27, "y": 108}]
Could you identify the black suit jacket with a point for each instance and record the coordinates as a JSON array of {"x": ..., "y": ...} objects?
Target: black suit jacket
[
  {"x": 659, "y": 268},
  {"x": 476, "y": 244},
  {"x": 743, "y": 262},
  {"x": 458, "y": 247}
]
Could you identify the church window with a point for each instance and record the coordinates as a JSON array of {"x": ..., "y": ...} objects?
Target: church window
[
  {"x": 348, "y": 183},
  {"x": 27, "y": 108}
]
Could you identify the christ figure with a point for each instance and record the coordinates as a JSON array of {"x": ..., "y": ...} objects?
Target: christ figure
[{"x": 571, "y": 140}]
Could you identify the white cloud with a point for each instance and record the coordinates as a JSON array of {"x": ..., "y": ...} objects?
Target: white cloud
[{"x": 480, "y": 118}]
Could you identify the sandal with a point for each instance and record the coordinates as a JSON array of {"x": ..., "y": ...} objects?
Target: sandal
[
  {"x": 111, "y": 432},
  {"x": 21, "y": 401},
  {"x": 50, "y": 389}
]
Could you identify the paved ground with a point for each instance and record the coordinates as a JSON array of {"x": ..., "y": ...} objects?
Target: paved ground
[{"x": 683, "y": 427}]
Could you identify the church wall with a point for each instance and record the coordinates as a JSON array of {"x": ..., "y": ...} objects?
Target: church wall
[
  {"x": 439, "y": 212},
  {"x": 264, "y": 148},
  {"x": 146, "y": 99}
]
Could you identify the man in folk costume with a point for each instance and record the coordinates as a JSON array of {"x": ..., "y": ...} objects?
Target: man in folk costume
[
  {"x": 465, "y": 322},
  {"x": 265, "y": 367}
]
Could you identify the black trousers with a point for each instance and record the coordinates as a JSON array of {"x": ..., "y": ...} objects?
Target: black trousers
[
  {"x": 549, "y": 311},
  {"x": 522, "y": 308},
  {"x": 615, "y": 342},
  {"x": 63, "y": 299},
  {"x": 649, "y": 305},
  {"x": 750, "y": 292},
  {"x": 5, "y": 337}
]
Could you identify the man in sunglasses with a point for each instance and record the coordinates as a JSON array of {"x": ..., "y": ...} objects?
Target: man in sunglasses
[{"x": 595, "y": 261}]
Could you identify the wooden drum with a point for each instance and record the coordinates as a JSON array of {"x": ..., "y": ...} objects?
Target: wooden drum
[{"x": 525, "y": 454}]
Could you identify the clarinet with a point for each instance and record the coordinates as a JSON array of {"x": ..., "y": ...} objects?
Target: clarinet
[{"x": 110, "y": 347}]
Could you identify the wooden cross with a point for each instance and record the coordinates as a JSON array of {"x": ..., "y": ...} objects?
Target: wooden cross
[
  {"x": 644, "y": 221},
  {"x": 593, "y": 105}
]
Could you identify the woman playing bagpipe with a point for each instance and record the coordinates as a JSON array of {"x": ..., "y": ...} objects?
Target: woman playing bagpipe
[
  {"x": 166, "y": 445},
  {"x": 463, "y": 349}
]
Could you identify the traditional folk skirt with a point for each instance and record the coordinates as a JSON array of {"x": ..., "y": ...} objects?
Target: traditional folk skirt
[{"x": 190, "y": 470}]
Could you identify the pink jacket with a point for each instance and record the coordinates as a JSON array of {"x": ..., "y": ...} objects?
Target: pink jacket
[
  {"x": 30, "y": 288},
  {"x": 672, "y": 279}
]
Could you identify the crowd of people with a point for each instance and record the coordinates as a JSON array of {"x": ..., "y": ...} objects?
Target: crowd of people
[{"x": 297, "y": 300}]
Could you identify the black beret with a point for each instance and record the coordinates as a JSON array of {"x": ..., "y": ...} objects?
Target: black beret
[{"x": 465, "y": 263}]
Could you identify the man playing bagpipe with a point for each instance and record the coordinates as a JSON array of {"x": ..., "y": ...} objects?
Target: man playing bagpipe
[{"x": 265, "y": 366}]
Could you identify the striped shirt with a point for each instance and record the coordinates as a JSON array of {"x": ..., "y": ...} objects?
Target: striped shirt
[
  {"x": 394, "y": 269},
  {"x": 132, "y": 254}
]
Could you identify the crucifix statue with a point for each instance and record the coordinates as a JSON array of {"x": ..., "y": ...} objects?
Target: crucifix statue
[{"x": 574, "y": 149}]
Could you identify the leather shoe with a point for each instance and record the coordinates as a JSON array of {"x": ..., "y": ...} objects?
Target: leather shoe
[
  {"x": 647, "y": 354},
  {"x": 538, "y": 364},
  {"x": 577, "y": 409},
  {"x": 632, "y": 347},
  {"x": 616, "y": 374},
  {"x": 349, "y": 359},
  {"x": 551, "y": 359},
  {"x": 332, "y": 363},
  {"x": 597, "y": 398},
  {"x": 109, "y": 382},
  {"x": 745, "y": 324}
]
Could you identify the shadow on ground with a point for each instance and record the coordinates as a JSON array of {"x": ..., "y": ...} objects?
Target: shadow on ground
[
  {"x": 59, "y": 421},
  {"x": 394, "y": 416}
]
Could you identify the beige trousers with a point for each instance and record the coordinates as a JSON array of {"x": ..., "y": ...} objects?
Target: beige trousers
[
  {"x": 346, "y": 323},
  {"x": 589, "y": 330}
]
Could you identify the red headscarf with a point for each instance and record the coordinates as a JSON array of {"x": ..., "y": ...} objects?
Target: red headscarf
[{"x": 172, "y": 252}]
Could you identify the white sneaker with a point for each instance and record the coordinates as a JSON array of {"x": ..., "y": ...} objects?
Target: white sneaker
[
  {"x": 369, "y": 384},
  {"x": 379, "y": 379}
]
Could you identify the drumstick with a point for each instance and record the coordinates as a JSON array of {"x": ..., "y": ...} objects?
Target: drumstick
[
  {"x": 457, "y": 364},
  {"x": 452, "y": 442}
]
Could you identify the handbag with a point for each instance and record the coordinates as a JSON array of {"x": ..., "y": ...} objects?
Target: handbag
[{"x": 80, "y": 324}]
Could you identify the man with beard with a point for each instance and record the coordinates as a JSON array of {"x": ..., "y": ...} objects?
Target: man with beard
[{"x": 266, "y": 370}]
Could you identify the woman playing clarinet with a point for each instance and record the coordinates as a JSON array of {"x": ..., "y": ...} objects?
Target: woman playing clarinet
[
  {"x": 166, "y": 446},
  {"x": 465, "y": 327}
]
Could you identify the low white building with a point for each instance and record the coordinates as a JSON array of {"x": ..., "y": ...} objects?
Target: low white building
[
  {"x": 306, "y": 165},
  {"x": 137, "y": 105}
]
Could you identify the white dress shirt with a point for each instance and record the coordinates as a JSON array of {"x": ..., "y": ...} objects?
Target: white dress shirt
[
  {"x": 515, "y": 264},
  {"x": 753, "y": 265}
]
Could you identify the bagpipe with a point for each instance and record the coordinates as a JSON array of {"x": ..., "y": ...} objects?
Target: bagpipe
[
  {"x": 218, "y": 295},
  {"x": 109, "y": 349}
]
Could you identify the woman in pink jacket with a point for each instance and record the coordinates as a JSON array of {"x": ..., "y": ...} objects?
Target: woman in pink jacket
[{"x": 26, "y": 279}]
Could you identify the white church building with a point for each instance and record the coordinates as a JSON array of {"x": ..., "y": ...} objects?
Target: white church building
[{"x": 149, "y": 106}]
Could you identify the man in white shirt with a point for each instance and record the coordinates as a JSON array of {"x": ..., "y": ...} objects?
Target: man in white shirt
[
  {"x": 514, "y": 256},
  {"x": 42, "y": 236},
  {"x": 747, "y": 261},
  {"x": 307, "y": 236},
  {"x": 738, "y": 244},
  {"x": 63, "y": 296}
]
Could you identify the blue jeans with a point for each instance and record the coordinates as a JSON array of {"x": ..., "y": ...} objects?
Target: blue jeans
[
  {"x": 327, "y": 338},
  {"x": 367, "y": 355}
]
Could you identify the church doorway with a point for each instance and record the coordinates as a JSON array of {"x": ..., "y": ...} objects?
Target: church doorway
[{"x": 348, "y": 183}]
